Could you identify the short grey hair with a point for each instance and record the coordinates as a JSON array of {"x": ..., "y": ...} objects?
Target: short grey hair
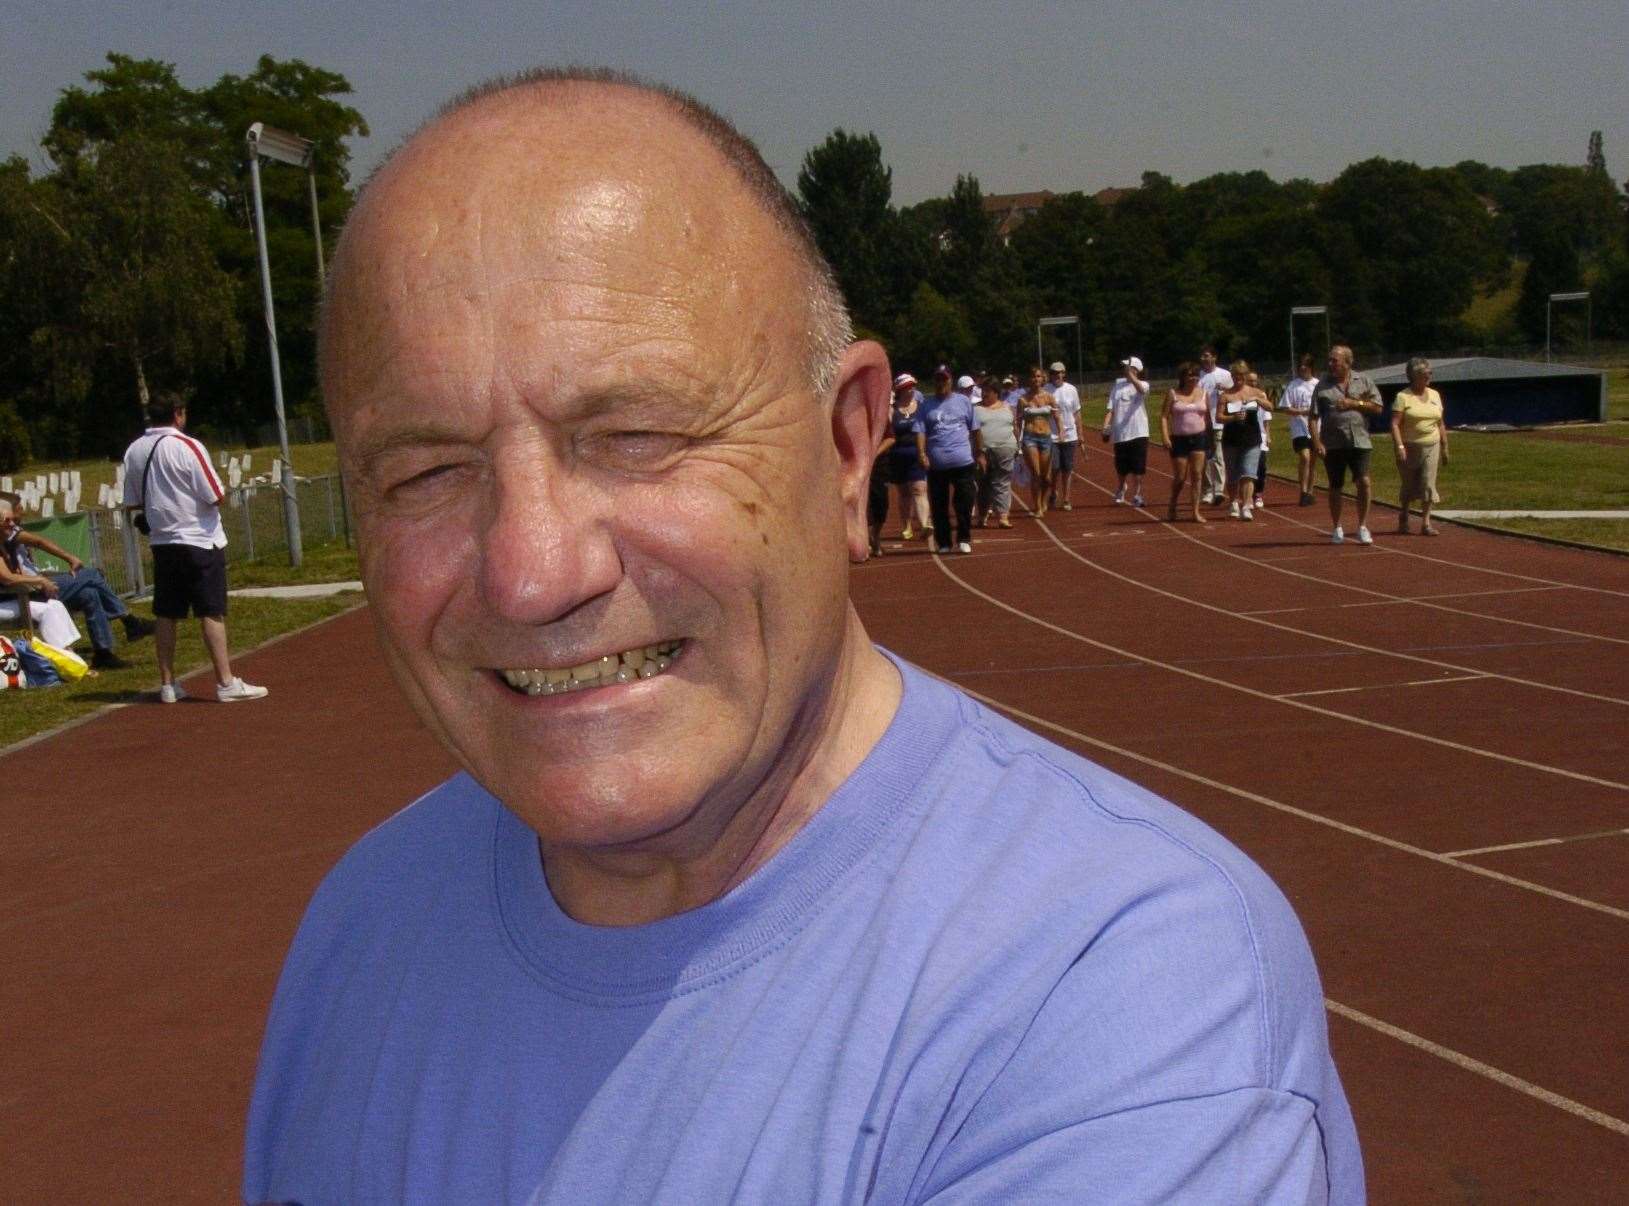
[
  {"x": 1416, "y": 364},
  {"x": 830, "y": 329}
]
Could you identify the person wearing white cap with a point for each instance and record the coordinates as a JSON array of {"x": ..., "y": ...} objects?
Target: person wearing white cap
[
  {"x": 969, "y": 387},
  {"x": 1067, "y": 399},
  {"x": 1213, "y": 379},
  {"x": 1125, "y": 423},
  {"x": 906, "y": 472}
]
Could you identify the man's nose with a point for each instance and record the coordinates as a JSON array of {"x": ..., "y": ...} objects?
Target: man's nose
[{"x": 547, "y": 549}]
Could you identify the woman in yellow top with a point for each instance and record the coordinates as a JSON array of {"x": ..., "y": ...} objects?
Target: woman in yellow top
[{"x": 1421, "y": 439}]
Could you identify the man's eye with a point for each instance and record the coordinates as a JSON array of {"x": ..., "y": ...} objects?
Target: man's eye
[
  {"x": 637, "y": 449},
  {"x": 425, "y": 483}
]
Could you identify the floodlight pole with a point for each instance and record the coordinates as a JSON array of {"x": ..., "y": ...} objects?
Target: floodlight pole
[
  {"x": 1580, "y": 295},
  {"x": 1296, "y": 311},
  {"x": 285, "y": 148},
  {"x": 1061, "y": 320}
]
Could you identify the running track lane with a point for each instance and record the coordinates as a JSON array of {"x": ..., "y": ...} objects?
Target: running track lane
[
  {"x": 1492, "y": 977},
  {"x": 146, "y": 932},
  {"x": 154, "y": 869}
]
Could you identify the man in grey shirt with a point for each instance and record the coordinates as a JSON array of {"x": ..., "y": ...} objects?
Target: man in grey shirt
[{"x": 1340, "y": 435}]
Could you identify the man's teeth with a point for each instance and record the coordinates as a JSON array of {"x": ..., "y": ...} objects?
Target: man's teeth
[{"x": 618, "y": 668}]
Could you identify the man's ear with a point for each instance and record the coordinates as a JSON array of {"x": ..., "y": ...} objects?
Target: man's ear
[{"x": 859, "y": 420}]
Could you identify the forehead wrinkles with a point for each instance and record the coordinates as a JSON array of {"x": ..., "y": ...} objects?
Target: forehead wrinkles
[{"x": 508, "y": 252}]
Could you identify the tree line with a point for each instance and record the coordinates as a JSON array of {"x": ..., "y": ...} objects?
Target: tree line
[
  {"x": 128, "y": 261},
  {"x": 1398, "y": 252}
]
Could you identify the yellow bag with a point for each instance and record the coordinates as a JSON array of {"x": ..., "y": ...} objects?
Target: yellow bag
[{"x": 70, "y": 665}]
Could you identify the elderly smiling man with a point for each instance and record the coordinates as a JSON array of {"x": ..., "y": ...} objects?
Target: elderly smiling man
[{"x": 729, "y": 905}]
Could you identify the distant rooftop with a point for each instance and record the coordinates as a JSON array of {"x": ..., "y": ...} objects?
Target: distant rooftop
[{"x": 1010, "y": 210}]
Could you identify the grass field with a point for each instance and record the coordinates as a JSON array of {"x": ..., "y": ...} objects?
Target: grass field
[
  {"x": 250, "y": 622},
  {"x": 1506, "y": 470}
]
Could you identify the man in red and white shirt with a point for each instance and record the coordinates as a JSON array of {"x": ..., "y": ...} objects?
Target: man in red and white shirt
[{"x": 167, "y": 476}]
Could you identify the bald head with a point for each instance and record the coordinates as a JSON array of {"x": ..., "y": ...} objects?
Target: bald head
[{"x": 609, "y": 132}]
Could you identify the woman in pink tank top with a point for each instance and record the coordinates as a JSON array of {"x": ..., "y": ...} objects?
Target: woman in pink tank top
[{"x": 1185, "y": 424}]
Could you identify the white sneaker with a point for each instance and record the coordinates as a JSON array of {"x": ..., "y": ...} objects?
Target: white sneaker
[
  {"x": 1118, "y": 501},
  {"x": 964, "y": 547},
  {"x": 1363, "y": 536},
  {"x": 1338, "y": 536},
  {"x": 1247, "y": 515},
  {"x": 167, "y": 693},
  {"x": 238, "y": 690},
  {"x": 1233, "y": 509},
  {"x": 1119, "y": 496},
  {"x": 1138, "y": 501}
]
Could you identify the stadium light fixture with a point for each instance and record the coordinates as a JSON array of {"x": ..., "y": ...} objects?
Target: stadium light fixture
[
  {"x": 1578, "y": 295},
  {"x": 1301, "y": 312},
  {"x": 282, "y": 147},
  {"x": 1058, "y": 320}
]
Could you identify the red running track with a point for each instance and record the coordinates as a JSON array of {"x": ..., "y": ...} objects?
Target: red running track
[{"x": 1390, "y": 709}]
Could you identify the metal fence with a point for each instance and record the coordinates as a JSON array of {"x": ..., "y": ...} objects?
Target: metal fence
[{"x": 253, "y": 517}]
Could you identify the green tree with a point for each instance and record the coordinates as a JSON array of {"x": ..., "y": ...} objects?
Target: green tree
[
  {"x": 845, "y": 191},
  {"x": 968, "y": 242},
  {"x": 203, "y": 133},
  {"x": 1596, "y": 159},
  {"x": 1553, "y": 268},
  {"x": 932, "y": 330},
  {"x": 1580, "y": 204},
  {"x": 1056, "y": 256},
  {"x": 1425, "y": 242},
  {"x": 147, "y": 292},
  {"x": 131, "y": 97}
]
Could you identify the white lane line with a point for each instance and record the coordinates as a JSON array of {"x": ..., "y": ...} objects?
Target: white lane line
[
  {"x": 1288, "y": 703},
  {"x": 1418, "y": 682},
  {"x": 1531, "y": 514},
  {"x": 1300, "y": 813},
  {"x": 1536, "y": 842},
  {"x": 1321, "y": 636},
  {"x": 1278, "y": 513},
  {"x": 1384, "y": 597},
  {"x": 1461, "y": 1060},
  {"x": 1458, "y": 594}
]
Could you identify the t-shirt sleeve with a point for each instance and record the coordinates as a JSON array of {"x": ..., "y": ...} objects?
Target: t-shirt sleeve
[
  {"x": 1250, "y": 1145},
  {"x": 132, "y": 482},
  {"x": 1182, "y": 1058}
]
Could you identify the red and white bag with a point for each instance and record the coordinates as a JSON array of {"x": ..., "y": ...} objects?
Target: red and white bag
[{"x": 11, "y": 667}]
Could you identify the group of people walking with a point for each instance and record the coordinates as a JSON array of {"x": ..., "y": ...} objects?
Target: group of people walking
[
  {"x": 952, "y": 455},
  {"x": 1217, "y": 424}
]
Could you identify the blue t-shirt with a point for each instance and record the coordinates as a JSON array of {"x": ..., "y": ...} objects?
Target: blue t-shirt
[
  {"x": 905, "y": 429},
  {"x": 948, "y": 422},
  {"x": 985, "y": 971}
]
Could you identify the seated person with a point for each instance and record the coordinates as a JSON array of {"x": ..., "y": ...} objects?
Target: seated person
[{"x": 82, "y": 588}]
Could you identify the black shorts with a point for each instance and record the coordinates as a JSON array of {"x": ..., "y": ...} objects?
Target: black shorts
[
  {"x": 1131, "y": 456},
  {"x": 1301, "y": 443},
  {"x": 1063, "y": 457},
  {"x": 1338, "y": 460},
  {"x": 876, "y": 495},
  {"x": 188, "y": 579},
  {"x": 1184, "y": 446}
]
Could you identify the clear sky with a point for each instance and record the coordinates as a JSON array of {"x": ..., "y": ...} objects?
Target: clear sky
[{"x": 1023, "y": 95}]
